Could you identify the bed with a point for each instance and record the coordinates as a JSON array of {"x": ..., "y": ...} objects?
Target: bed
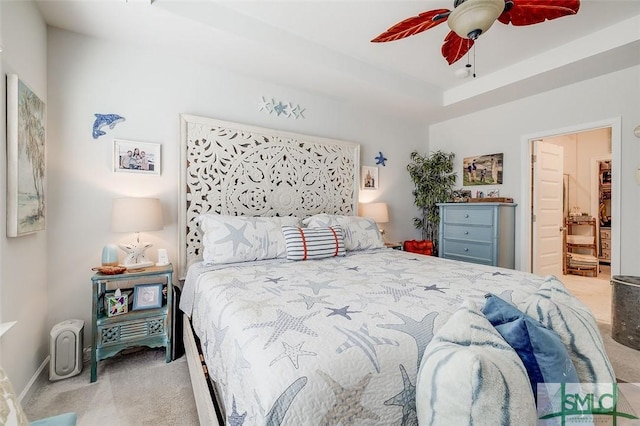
[{"x": 342, "y": 339}]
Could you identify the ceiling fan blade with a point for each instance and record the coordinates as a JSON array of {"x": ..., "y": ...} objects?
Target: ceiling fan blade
[
  {"x": 414, "y": 25},
  {"x": 529, "y": 12},
  {"x": 455, "y": 47}
]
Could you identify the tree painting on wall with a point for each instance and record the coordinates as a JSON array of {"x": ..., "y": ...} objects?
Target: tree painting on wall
[
  {"x": 25, "y": 159},
  {"x": 482, "y": 170}
]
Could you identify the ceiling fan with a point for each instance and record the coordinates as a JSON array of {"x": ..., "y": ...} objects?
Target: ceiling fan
[{"x": 470, "y": 18}]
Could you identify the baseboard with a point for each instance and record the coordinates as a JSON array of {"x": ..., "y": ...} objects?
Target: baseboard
[{"x": 29, "y": 388}]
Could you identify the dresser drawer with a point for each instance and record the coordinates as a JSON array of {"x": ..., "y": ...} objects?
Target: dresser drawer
[
  {"x": 606, "y": 244},
  {"x": 465, "y": 215},
  {"x": 468, "y": 251},
  {"x": 468, "y": 233},
  {"x": 605, "y": 234},
  {"x": 605, "y": 255}
]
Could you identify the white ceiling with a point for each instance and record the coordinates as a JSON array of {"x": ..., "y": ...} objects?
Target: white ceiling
[{"x": 324, "y": 47}]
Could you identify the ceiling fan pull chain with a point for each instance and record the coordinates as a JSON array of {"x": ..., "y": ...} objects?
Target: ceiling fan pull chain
[
  {"x": 474, "y": 60},
  {"x": 468, "y": 58}
]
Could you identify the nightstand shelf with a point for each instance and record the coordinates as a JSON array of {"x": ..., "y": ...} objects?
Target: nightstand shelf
[
  {"x": 145, "y": 327},
  {"x": 580, "y": 250}
]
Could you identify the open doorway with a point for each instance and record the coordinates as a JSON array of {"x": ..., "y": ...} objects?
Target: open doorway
[
  {"x": 584, "y": 254},
  {"x": 589, "y": 188}
]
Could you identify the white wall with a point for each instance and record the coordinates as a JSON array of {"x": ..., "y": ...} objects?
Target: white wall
[
  {"x": 501, "y": 129},
  {"x": 24, "y": 280},
  {"x": 150, "y": 90}
]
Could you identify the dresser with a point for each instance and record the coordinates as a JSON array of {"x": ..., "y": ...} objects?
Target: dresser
[
  {"x": 478, "y": 232},
  {"x": 605, "y": 244}
]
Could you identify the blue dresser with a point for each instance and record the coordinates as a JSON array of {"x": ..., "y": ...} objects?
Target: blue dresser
[{"x": 478, "y": 232}]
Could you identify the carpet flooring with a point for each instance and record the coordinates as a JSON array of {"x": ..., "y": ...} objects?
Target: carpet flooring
[
  {"x": 139, "y": 388},
  {"x": 625, "y": 360}
]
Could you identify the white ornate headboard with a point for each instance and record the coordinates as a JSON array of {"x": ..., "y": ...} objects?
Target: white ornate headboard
[{"x": 236, "y": 169}]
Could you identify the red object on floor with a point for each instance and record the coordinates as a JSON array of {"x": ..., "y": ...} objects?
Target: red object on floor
[{"x": 419, "y": 246}]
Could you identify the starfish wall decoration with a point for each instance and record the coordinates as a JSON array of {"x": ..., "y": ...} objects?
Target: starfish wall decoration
[
  {"x": 381, "y": 159},
  {"x": 285, "y": 109}
]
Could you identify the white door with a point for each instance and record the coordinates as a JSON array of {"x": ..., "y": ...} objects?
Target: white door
[{"x": 547, "y": 209}]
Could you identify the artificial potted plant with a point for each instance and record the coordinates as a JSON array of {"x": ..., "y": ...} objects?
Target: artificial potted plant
[{"x": 434, "y": 180}]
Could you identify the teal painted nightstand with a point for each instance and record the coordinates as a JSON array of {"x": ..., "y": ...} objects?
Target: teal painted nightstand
[
  {"x": 146, "y": 327},
  {"x": 395, "y": 246}
]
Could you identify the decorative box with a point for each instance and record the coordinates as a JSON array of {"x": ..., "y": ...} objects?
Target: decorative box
[{"x": 116, "y": 304}]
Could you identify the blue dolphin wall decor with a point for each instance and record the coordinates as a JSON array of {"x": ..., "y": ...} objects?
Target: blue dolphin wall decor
[{"x": 105, "y": 120}]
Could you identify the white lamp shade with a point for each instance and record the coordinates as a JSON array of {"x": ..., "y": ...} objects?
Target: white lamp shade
[
  {"x": 474, "y": 15},
  {"x": 376, "y": 211},
  {"x": 136, "y": 215}
]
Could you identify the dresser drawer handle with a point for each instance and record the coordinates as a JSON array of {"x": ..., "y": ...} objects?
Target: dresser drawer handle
[
  {"x": 466, "y": 232},
  {"x": 466, "y": 249},
  {"x": 466, "y": 215}
]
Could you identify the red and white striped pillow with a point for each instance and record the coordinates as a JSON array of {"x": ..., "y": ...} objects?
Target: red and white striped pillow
[{"x": 313, "y": 243}]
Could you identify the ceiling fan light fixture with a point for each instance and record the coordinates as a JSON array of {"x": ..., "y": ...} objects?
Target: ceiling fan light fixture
[
  {"x": 462, "y": 73},
  {"x": 474, "y": 17}
]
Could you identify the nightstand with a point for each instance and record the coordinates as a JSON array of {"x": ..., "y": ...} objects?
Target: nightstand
[
  {"x": 395, "y": 246},
  {"x": 146, "y": 327}
]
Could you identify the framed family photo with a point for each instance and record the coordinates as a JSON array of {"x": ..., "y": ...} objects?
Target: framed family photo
[
  {"x": 25, "y": 159},
  {"x": 136, "y": 157},
  {"x": 482, "y": 170},
  {"x": 369, "y": 177},
  {"x": 147, "y": 296}
]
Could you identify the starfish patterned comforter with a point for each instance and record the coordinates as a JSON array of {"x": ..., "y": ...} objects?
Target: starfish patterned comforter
[{"x": 332, "y": 341}]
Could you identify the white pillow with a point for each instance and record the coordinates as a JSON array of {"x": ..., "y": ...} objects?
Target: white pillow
[
  {"x": 556, "y": 308},
  {"x": 470, "y": 375},
  {"x": 229, "y": 239},
  {"x": 313, "y": 243},
  {"x": 360, "y": 233}
]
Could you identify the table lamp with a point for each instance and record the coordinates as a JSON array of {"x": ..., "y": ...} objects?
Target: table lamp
[
  {"x": 376, "y": 211},
  {"x": 136, "y": 215}
]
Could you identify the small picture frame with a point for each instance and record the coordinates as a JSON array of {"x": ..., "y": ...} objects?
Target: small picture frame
[
  {"x": 460, "y": 196},
  {"x": 136, "y": 157},
  {"x": 369, "y": 178},
  {"x": 494, "y": 193},
  {"x": 147, "y": 296}
]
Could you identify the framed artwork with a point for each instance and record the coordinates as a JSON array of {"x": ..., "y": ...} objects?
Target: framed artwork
[
  {"x": 147, "y": 296},
  {"x": 136, "y": 157},
  {"x": 482, "y": 170},
  {"x": 494, "y": 193},
  {"x": 25, "y": 159},
  {"x": 369, "y": 177}
]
